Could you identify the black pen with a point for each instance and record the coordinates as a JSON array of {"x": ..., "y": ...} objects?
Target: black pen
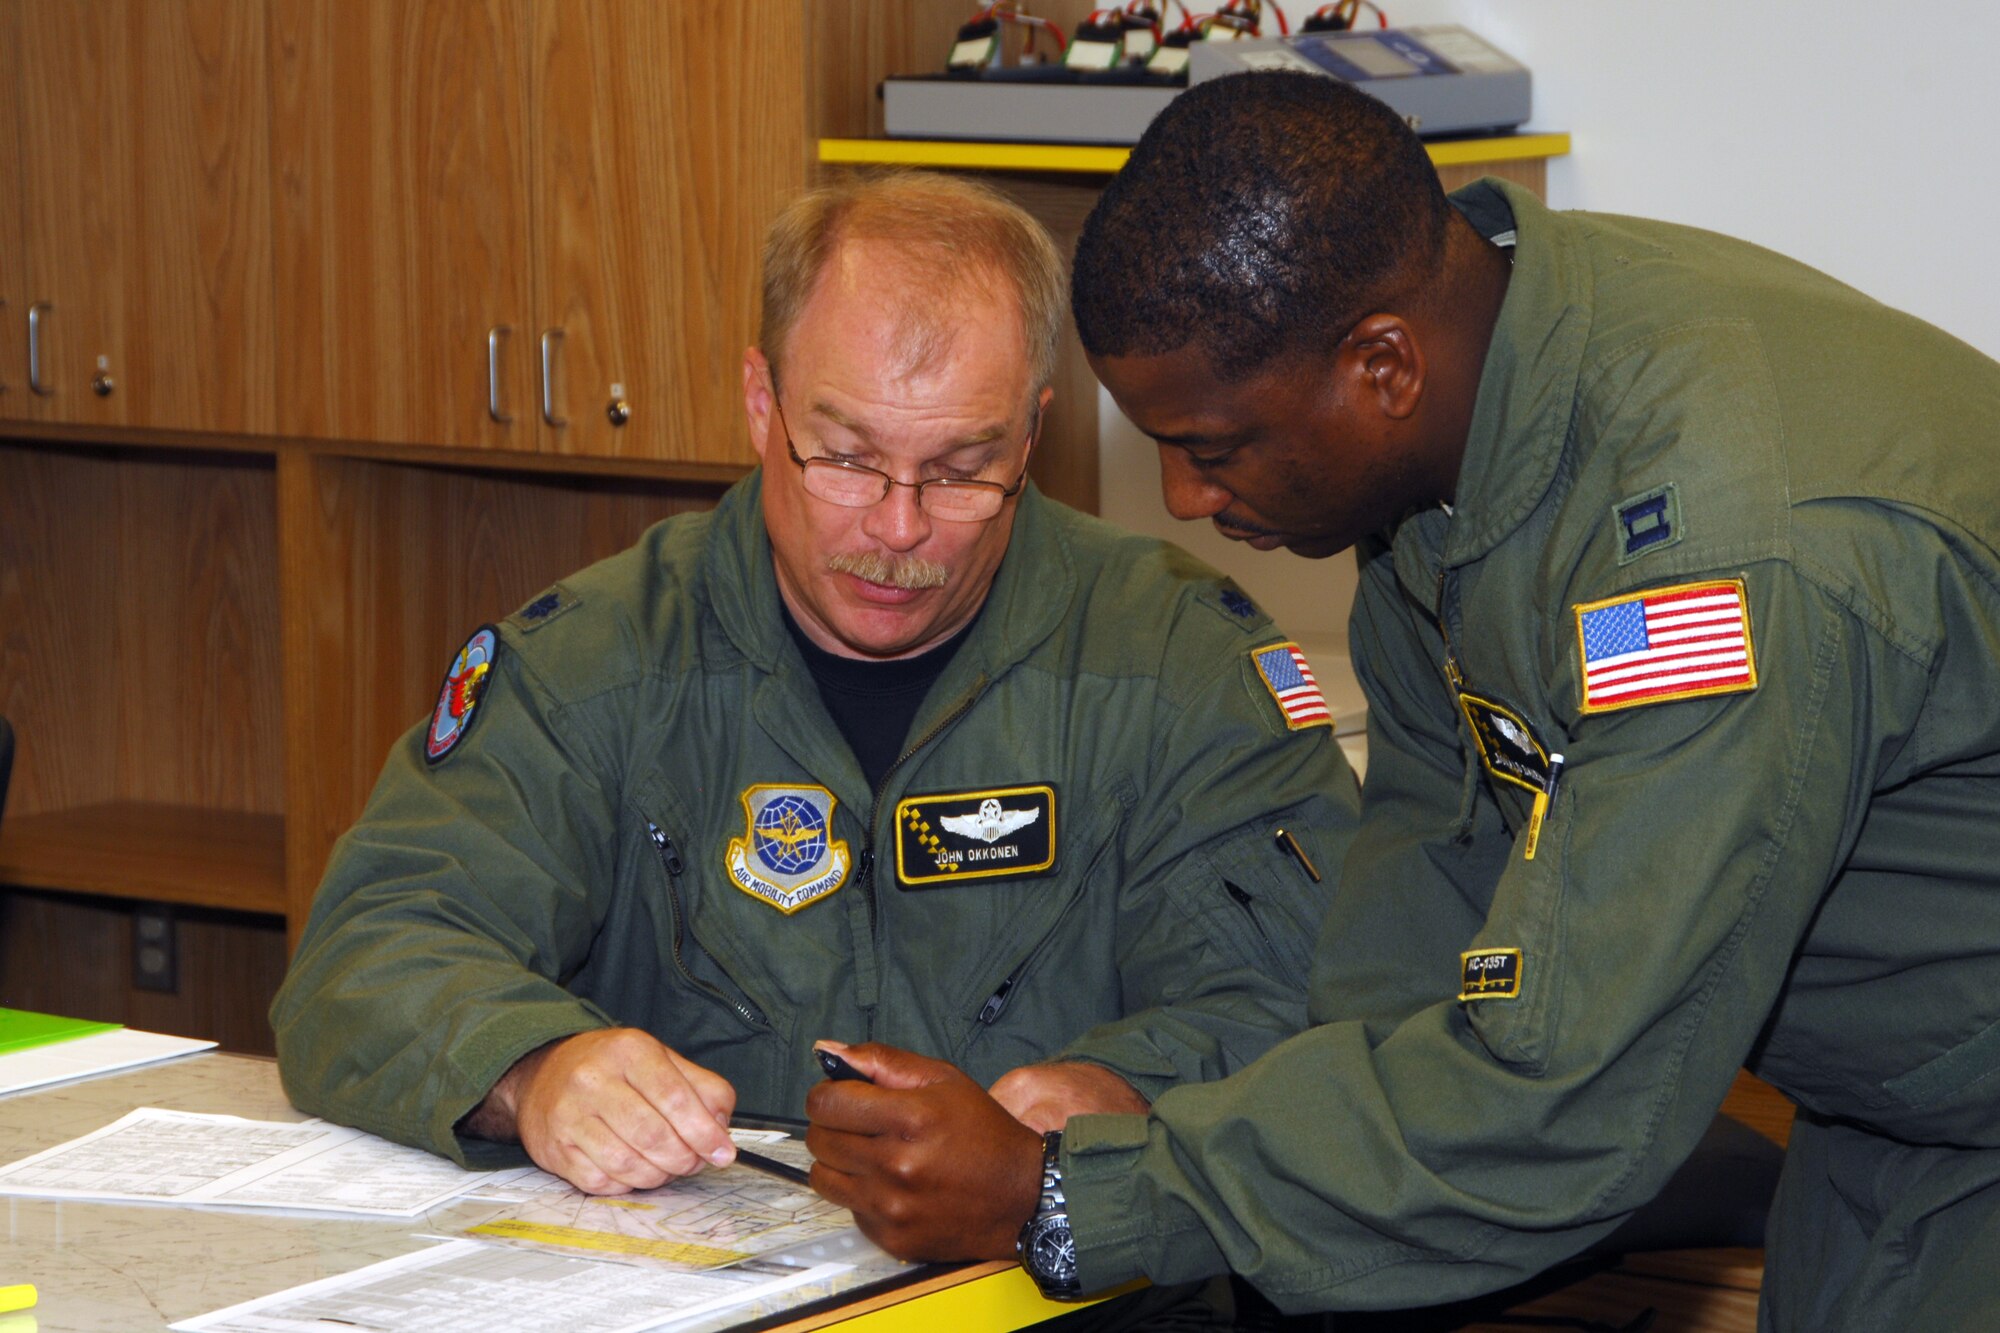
[
  {"x": 771, "y": 1166},
  {"x": 1291, "y": 844},
  {"x": 837, "y": 1068}
]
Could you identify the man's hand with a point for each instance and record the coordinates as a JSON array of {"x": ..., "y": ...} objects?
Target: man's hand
[
  {"x": 931, "y": 1166},
  {"x": 611, "y": 1111},
  {"x": 1044, "y": 1097}
]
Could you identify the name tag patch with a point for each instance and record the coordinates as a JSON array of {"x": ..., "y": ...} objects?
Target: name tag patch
[
  {"x": 1507, "y": 746},
  {"x": 1664, "y": 644},
  {"x": 950, "y": 836},
  {"x": 787, "y": 856},
  {"x": 1489, "y": 974}
]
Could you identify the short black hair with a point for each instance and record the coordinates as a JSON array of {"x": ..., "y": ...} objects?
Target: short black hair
[{"x": 1259, "y": 214}]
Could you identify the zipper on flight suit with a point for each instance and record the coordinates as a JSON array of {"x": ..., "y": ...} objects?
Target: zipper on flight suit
[
  {"x": 671, "y": 863},
  {"x": 1451, "y": 671},
  {"x": 867, "y": 861}
]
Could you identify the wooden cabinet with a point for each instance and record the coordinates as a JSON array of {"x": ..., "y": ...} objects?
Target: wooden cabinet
[
  {"x": 666, "y": 136},
  {"x": 399, "y": 151},
  {"x": 497, "y": 218},
  {"x": 144, "y": 187},
  {"x": 13, "y": 272}
]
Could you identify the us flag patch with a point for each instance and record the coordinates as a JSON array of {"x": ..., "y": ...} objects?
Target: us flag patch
[
  {"x": 1670, "y": 643},
  {"x": 1290, "y": 680}
]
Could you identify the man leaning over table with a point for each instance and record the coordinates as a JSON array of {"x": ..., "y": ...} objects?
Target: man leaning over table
[
  {"x": 1718, "y": 531},
  {"x": 888, "y": 745}
]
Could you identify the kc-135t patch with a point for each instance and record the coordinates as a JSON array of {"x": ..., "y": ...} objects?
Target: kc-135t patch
[
  {"x": 947, "y": 837},
  {"x": 1489, "y": 974}
]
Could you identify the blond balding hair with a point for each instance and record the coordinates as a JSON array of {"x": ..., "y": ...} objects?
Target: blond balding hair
[{"x": 949, "y": 232}]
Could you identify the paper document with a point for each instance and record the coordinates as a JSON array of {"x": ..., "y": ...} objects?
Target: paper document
[
  {"x": 719, "y": 1216},
  {"x": 181, "y": 1157},
  {"x": 99, "y": 1052},
  {"x": 465, "y": 1287}
]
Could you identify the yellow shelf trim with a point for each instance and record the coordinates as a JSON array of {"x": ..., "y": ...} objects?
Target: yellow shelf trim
[{"x": 1106, "y": 161}]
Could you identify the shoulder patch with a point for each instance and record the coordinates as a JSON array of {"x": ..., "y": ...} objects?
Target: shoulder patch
[
  {"x": 1293, "y": 687},
  {"x": 544, "y": 609},
  {"x": 458, "y": 699},
  {"x": 1647, "y": 522},
  {"x": 787, "y": 856},
  {"x": 1665, "y": 644},
  {"x": 1489, "y": 974}
]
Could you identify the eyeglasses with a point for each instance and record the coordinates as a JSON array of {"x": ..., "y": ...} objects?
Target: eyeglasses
[{"x": 857, "y": 486}]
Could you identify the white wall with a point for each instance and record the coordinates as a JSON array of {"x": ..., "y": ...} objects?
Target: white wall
[{"x": 1859, "y": 139}]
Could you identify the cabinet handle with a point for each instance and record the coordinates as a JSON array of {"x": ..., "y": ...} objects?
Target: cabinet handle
[
  {"x": 493, "y": 409},
  {"x": 35, "y": 381},
  {"x": 549, "y": 339}
]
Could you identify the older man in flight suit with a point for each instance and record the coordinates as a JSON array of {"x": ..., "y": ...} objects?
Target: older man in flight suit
[
  {"x": 1679, "y": 619},
  {"x": 886, "y": 745}
]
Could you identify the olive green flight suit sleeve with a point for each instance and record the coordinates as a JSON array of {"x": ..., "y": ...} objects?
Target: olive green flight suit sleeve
[
  {"x": 433, "y": 955},
  {"x": 1437, "y": 1149},
  {"x": 1215, "y": 917}
]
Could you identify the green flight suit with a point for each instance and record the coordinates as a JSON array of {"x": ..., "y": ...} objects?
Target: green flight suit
[
  {"x": 584, "y": 855},
  {"x": 1801, "y": 872}
]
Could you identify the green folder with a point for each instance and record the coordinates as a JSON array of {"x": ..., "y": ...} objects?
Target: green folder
[{"x": 20, "y": 1029}]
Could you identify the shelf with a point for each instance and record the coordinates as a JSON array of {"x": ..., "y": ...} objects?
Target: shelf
[
  {"x": 160, "y": 853},
  {"x": 1080, "y": 159}
]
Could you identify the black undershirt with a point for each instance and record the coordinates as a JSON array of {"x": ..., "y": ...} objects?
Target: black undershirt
[{"x": 872, "y": 702}]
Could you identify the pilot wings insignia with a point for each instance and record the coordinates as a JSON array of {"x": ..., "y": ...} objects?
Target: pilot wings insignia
[{"x": 990, "y": 823}]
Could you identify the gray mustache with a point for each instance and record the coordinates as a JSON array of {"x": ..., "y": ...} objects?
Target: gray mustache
[{"x": 909, "y": 572}]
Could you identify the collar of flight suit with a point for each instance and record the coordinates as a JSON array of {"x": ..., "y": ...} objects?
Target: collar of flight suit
[
  {"x": 1522, "y": 416},
  {"x": 1031, "y": 594}
]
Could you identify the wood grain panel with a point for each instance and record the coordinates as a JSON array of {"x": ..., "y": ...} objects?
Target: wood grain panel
[
  {"x": 139, "y": 627},
  {"x": 666, "y": 137},
  {"x": 13, "y": 263},
  {"x": 67, "y": 955},
  {"x": 158, "y": 852},
  {"x": 387, "y": 569},
  {"x": 1761, "y": 1106},
  {"x": 402, "y": 219},
  {"x": 147, "y": 210}
]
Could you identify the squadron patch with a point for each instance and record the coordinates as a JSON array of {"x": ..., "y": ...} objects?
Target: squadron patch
[
  {"x": 1290, "y": 680},
  {"x": 1507, "y": 745},
  {"x": 951, "y": 836},
  {"x": 464, "y": 682},
  {"x": 787, "y": 855},
  {"x": 1489, "y": 974},
  {"x": 1665, "y": 644}
]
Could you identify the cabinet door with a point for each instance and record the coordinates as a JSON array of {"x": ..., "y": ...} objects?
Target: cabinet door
[
  {"x": 13, "y": 272},
  {"x": 400, "y": 154},
  {"x": 666, "y": 136},
  {"x": 145, "y": 188}
]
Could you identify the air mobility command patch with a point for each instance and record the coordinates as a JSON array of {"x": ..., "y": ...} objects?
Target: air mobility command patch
[
  {"x": 1489, "y": 974},
  {"x": 1290, "y": 680},
  {"x": 787, "y": 855},
  {"x": 1507, "y": 746},
  {"x": 948, "y": 837},
  {"x": 1665, "y": 644},
  {"x": 464, "y": 682}
]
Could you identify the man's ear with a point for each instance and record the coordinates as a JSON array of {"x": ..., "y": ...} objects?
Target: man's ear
[
  {"x": 1385, "y": 365},
  {"x": 758, "y": 397}
]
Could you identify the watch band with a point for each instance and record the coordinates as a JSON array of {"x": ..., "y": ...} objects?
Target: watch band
[{"x": 1046, "y": 1247}]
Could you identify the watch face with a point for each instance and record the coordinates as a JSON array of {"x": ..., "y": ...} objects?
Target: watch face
[{"x": 1052, "y": 1251}]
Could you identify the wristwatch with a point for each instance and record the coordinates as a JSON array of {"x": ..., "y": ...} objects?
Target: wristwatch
[{"x": 1046, "y": 1247}]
